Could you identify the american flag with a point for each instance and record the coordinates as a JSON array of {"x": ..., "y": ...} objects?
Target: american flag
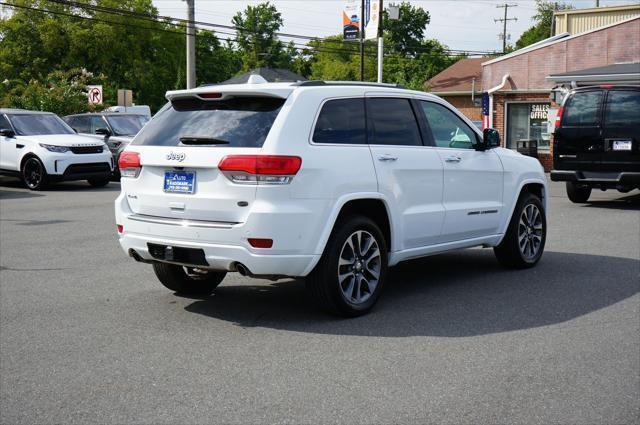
[{"x": 485, "y": 110}]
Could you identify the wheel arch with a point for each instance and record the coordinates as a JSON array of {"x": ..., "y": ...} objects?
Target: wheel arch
[
  {"x": 536, "y": 186},
  {"x": 372, "y": 205},
  {"x": 375, "y": 209},
  {"x": 537, "y": 189},
  {"x": 27, "y": 156}
]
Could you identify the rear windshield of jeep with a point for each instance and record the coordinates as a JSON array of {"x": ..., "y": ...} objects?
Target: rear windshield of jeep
[{"x": 234, "y": 122}]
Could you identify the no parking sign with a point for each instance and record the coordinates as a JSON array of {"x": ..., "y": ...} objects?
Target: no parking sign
[{"x": 95, "y": 95}]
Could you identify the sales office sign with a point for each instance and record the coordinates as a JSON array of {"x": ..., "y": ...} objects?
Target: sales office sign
[{"x": 539, "y": 111}]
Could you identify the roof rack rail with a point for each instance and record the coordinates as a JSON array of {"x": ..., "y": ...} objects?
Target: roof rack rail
[{"x": 318, "y": 83}]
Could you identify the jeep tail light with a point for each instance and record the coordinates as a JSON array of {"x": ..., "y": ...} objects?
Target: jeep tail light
[
  {"x": 260, "y": 169},
  {"x": 129, "y": 164},
  {"x": 261, "y": 242},
  {"x": 558, "y": 117}
]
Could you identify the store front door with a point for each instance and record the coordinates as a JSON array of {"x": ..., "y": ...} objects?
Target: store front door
[{"x": 527, "y": 122}]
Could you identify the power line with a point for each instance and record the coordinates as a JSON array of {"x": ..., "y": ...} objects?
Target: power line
[
  {"x": 300, "y": 47},
  {"x": 185, "y": 22},
  {"x": 306, "y": 47}
]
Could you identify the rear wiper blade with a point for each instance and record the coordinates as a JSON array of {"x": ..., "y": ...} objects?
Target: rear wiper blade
[{"x": 202, "y": 140}]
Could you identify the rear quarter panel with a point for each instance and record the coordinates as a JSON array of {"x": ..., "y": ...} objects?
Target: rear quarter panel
[{"x": 330, "y": 175}]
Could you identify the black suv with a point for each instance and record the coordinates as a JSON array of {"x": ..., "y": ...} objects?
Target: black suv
[{"x": 597, "y": 141}]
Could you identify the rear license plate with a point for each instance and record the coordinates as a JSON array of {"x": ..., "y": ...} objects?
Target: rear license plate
[
  {"x": 621, "y": 145},
  {"x": 179, "y": 181}
]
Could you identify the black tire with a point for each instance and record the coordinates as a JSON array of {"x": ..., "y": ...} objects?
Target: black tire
[
  {"x": 510, "y": 252},
  {"x": 578, "y": 194},
  {"x": 34, "y": 175},
  {"x": 99, "y": 182},
  {"x": 323, "y": 283},
  {"x": 188, "y": 281}
]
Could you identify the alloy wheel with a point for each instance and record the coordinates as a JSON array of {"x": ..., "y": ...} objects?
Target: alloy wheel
[
  {"x": 32, "y": 173},
  {"x": 359, "y": 267},
  {"x": 530, "y": 231}
]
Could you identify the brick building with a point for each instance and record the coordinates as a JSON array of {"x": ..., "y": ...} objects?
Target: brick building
[
  {"x": 460, "y": 85},
  {"x": 519, "y": 90}
]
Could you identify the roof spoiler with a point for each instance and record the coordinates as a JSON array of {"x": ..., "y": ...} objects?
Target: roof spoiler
[{"x": 320, "y": 83}]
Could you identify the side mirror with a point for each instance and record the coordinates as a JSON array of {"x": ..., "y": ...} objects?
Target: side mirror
[
  {"x": 104, "y": 131},
  {"x": 490, "y": 139},
  {"x": 6, "y": 132}
]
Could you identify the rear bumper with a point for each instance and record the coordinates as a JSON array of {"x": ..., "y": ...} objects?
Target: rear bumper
[
  {"x": 598, "y": 179},
  {"x": 223, "y": 257},
  {"x": 224, "y": 244}
]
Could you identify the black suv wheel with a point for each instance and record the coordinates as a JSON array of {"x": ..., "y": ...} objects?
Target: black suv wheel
[
  {"x": 578, "y": 194},
  {"x": 34, "y": 174},
  {"x": 350, "y": 276}
]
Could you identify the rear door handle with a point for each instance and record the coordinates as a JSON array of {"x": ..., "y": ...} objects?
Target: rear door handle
[
  {"x": 387, "y": 158},
  {"x": 453, "y": 158}
]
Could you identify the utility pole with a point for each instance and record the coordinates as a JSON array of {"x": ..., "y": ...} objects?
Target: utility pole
[
  {"x": 191, "y": 44},
  {"x": 597, "y": 3},
  {"x": 362, "y": 40},
  {"x": 504, "y": 21}
]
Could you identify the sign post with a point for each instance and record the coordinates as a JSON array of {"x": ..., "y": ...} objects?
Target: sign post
[
  {"x": 125, "y": 97},
  {"x": 372, "y": 28},
  {"x": 94, "y": 95}
]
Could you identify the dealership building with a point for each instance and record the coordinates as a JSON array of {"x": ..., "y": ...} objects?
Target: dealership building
[{"x": 525, "y": 86}]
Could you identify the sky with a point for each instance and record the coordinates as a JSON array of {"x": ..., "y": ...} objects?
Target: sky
[{"x": 459, "y": 24}]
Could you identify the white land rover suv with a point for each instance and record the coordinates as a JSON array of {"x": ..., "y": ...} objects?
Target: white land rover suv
[
  {"x": 41, "y": 148},
  {"x": 330, "y": 181}
]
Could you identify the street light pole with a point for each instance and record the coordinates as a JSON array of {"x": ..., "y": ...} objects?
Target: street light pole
[
  {"x": 191, "y": 44},
  {"x": 380, "y": 41}
]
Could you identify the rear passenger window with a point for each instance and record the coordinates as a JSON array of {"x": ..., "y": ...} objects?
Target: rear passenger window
[
  {"x": 582, "y": 109},
  {"x": 392, "y": 122},
  {"x": 341, "y": 121},
  {"x": 623, "y": 107}
]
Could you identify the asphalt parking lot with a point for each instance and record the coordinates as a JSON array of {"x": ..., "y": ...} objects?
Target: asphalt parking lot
[{"x": 89, "y": 336}]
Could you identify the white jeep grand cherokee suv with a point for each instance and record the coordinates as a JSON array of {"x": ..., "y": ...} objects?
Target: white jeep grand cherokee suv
[
  {"x": 330, "y": 181},
  {"x": 40, "y": 148}
]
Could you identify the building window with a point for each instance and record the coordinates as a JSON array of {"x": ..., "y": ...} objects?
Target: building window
[{"x": 526, "y": 122}]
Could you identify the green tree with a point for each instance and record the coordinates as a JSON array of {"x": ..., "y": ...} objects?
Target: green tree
[
  {"x": 543, "y": 23},
  {"x": 406, "y": 33},
  {"x": 257, "y": 41},
  {"x": 62, "y": 92},
  {"x": 430, "y": 58},
  {"x": 410, "y": 59},
  {"x": 215, "y": 62},
  {"x": 336, "y": 59},
  {"x": 141, "y": 53}
]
